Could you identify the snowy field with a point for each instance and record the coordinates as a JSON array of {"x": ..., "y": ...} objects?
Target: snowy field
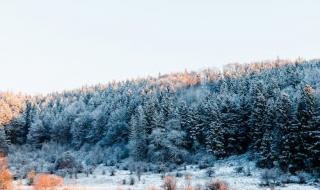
[{"x": 224, "y": 170}]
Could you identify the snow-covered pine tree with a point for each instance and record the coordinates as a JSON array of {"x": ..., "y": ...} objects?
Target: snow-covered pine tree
[
  {"x": 80, "y": 128},
  {"x": 229, "y": 113},
  {"x": 284, "y": 122},
  {"x": 3, "y": 142},
  {"x": 38, "y": 133},
  {"x": 216, "y": 139},
  {"x": 138, "y": 138},
  {"x": 267, "y": 148},
  {"x": 15, "y": 130},
  {"x": 306, "y": 114},
  {"x": 149, "y": 109},
  {"x": 258, "y": 113}
]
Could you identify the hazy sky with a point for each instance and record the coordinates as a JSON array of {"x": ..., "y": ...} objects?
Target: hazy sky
[{"x": 61, "y": 44}]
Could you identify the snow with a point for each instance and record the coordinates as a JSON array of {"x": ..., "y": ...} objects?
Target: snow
[{"x": 224, "y": 170}]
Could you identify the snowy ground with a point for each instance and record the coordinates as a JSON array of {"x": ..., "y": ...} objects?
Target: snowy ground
[{"x": 224, "y": 170}]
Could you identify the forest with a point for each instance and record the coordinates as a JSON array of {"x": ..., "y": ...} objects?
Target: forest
[{"x": 269, "y": 110}]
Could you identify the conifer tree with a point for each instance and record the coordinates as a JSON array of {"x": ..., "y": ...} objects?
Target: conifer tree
[
  {"x": 257, "y": 119},
  {"x": 3, "y": 142},
  {"x": 138, "y": 138}
]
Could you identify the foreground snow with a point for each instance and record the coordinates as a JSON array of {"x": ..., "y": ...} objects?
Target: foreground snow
[{"x": 224, "y": 170}]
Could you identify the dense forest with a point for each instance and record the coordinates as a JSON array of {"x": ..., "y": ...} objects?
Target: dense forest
[{"x": 269, "y": 110}]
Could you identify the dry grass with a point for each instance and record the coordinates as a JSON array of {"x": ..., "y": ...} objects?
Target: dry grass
[
  {"x": 217, "y": 185},
  {"x": 170, "y": 183},
  {"x": 47, "y": 182}
]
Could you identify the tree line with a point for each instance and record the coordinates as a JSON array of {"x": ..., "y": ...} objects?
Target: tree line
[{"x": 269, "y": 109}]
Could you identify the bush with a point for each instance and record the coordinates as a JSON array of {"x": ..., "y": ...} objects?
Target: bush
[
  {"x": 112, "y": 172},
  {"x": 203, "y": 165},
  {"x": 178, "y": 174},
  {"x": 170, "y": 183},
  {"x": 303, "y": 177},
  {"x": 66, "y": 161},
  {"x": 239, "y": 169},
  {"x": 5, "y": 175},
  {"x": 248, "y": 171},
  {"x": 217, "y": 185},
  {"x": 270, "y": 177},
  {"x": 48, "y": 182},
  {"x": 210, "y": 172},
  {"x": 30, "y": 176},
  {"x": 132, "y": 181}
]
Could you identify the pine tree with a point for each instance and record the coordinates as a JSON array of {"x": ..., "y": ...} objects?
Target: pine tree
[
  {"x": 16, "y": 130},
  {"x": 80, "y": 128},
  {"x": 3, "y": 142},
  {"x": 216, "y": 139},
  {"x": 229, "y": 112},
  {"x": 168, "y": 144},
  {"x": 149, "y": 110},
  {"x": 38, "y": 133},
  {"x": 257, "y": 119},
  {"x": 285, "y": 123},
  {"x": 138, "y": 138},
  {"x": 306, "y": 114},
  {"x": 267, "y": 149},
  {"x": 185, "y": 121},
  {"x": 193, "y": 128}
]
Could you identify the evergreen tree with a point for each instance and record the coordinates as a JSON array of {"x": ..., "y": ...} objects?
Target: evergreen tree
[
  {"x": 306, "y": 114},
  {"x": 16, "y": 130},
  {"x": 3, "y": 142},
  {"x": 38, "y": 133},
  {"x": 257, "y": 119},
  {"x": 138, "y": 138},
  {"x": 268, "y": 143},
  {"x": 168, "y": 144},
  {"x": 285, "y": 123},
  {"x": 216, "y": 139},
  {"x": 229, "y": 112},
  {"x": 80, "y": 129}
]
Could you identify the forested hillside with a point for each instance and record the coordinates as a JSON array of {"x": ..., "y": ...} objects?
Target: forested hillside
[{"x": 269, "y": 109}]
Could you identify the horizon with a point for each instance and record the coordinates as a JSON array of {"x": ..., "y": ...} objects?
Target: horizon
[
  {"x": 50, "y": 47},
  {"x": 221, "y": 67}
]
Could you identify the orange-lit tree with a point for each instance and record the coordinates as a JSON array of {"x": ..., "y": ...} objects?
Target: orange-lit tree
[{"x": 5, "y": 175}]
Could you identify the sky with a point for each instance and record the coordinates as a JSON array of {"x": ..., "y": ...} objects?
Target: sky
[{"x": 50, "y": 45}]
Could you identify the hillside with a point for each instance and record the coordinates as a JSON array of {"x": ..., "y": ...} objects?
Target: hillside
[{"x": 268, "y": 110}]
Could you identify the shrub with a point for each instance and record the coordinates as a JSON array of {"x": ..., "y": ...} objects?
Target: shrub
[
  {"x": 30, "y": 176},
  {"x": 239, "y": 169},
  {"x": 203, "y": 165},
  {"x": 270, "y": 177},
  {"x": 217, "y": 185},
  {"x": 66, "y": 161},
  {"x": 210, "y": 172},
  {"x": 248, "y": 171},
  {"x": 47, "y": 182},
  {"x": 303, "y": 177},
  {"x": 132, "y": 181},
  {"x": 112, "y": 172},
  {"x": 5, "y": 175},
  {"x": 170, "y": 183},
  {"x": 178, "y": 174}
]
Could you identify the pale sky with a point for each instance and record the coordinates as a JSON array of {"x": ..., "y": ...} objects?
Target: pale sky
[{"x": 51, "y": 45}]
